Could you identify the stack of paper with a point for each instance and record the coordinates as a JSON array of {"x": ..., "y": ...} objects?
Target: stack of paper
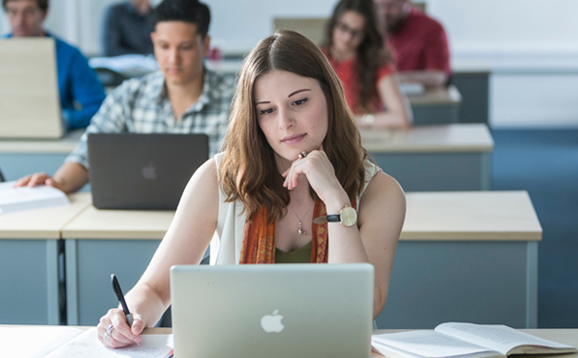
[
  {"x": 25, "y": 198},
  {"x": 60, "y": 342}
]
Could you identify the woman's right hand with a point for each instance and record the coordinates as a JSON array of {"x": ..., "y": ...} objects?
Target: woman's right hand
[{"x": 114, "y": 332}]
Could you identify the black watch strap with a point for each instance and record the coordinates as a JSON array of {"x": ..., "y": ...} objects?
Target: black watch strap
[{"x": 334, "y": 218}]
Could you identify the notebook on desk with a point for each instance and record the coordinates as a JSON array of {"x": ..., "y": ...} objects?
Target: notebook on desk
[
  {"x": 281, "y": 311},
  {"x": 142, "y": 171},
  {"x": 29, "y": 99}
]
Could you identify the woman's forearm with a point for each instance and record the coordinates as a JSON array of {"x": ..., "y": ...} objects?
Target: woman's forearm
[{"x": 145, "y": 301}]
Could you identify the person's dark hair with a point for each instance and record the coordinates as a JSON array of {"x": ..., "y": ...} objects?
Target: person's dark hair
[
  {"x": 191, "y": 11},
  {"x": 42, "y": 4},
  {"x": 371, "y": 54},
  {"x": 248, "y": 171}
]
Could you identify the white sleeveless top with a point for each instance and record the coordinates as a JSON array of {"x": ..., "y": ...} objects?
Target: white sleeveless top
[{"x": 228, "y": 238}]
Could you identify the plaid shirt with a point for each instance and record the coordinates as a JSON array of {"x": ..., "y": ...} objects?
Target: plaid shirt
[{"x": 141, "y": 105}]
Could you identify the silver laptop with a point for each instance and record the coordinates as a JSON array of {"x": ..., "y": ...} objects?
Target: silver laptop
[
  {"x": 264, "y": 311},
  {"x": 29, "y": 99},
  {"x": 143, "y": 171}
]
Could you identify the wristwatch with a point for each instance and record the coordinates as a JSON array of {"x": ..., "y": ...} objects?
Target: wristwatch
[{"x": 347, "y": 217}]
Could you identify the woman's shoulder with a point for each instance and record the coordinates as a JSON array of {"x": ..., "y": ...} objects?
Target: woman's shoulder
[
  {"x": 383, "y": 186},
  {"x": 206, "y": 174}
]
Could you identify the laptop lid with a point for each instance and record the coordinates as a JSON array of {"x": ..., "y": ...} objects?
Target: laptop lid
[
  {"x": 29, "y": 99},
  {"x": 143, "y": 171},
  {"x": 281, "y": 310}
]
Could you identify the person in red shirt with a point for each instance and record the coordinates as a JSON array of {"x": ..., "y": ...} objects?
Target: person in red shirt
[
  {"x": 418, "y": 42},
  {"x": 354, "y": 47}
]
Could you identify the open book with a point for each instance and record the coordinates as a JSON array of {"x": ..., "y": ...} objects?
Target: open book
[
  {"x": 454, "y": 339},
  {"x": 61, "y": 341},
  {"x": 25, "y": 198}
]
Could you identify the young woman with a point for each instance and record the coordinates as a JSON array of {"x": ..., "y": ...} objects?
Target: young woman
[
  {"x": 354, "y": 47},
  {"x": 292, "y": 153}
]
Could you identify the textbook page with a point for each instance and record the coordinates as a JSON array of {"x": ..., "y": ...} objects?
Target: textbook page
[
  {"x": 87, "y": 345},
  {"x": 502, "y": 338},
  {"x": 26, "y": 198},
  {"x": 427, "y": 344},
  {"x": 34, "y": 342}
]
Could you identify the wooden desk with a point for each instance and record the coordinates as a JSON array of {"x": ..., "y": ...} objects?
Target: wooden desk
[
  {"x": 465, "y": 256},
  {"x": 468, "y": 256},
  {"x": 566, "y": 336},
  {"x": 30, "y": 262},
  {"x": 22, "y": 157},
  {"x": 434, "y": 158},
  {"x": 101, "y": 242}
]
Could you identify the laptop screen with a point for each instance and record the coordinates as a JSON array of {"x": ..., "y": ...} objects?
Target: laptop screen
[
  {"x": 281, "y": 310},
  {"x": 143, "y": 171},
  {"x": 29, "y": 99}
]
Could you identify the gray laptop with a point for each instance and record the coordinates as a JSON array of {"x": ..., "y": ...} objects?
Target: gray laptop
[
  {"x": 264, "y": 311},
  {"x": 143, "y": 171}
]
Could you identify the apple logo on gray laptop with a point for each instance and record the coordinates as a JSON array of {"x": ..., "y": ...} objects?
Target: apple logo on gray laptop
[
  {"x": 272, "y": 323},
  {"x": 149, "y": 172}
]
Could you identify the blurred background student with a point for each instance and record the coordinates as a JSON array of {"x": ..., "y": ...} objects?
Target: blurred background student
[
  {"x": 127, "y": 29},
  {"x": 418, "y": 42},
  {"x": 81, "y": 93},
  {"x": 354, "y": 46}
]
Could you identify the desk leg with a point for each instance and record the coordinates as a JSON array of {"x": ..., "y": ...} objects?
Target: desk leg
[
  {"x": 532, "y": 286},
  {"x": 486, "y": 172},
  {"x": 71, "y": 283},
  {"x": 53, "y": 282}
]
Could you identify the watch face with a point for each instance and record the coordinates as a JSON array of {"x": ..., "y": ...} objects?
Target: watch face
[{"x": 348, "y": 216}]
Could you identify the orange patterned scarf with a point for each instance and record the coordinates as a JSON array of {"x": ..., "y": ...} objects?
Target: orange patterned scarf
[{"x": 259, "y": 238}]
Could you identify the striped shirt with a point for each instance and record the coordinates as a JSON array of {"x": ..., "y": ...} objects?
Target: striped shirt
[{"x": 141, "y": 105}]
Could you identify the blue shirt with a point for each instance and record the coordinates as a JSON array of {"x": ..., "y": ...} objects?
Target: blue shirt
[{"x": 81, "y": 93}]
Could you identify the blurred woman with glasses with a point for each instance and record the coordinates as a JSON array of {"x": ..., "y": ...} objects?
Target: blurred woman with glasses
[{"x": 354, "y": 46}]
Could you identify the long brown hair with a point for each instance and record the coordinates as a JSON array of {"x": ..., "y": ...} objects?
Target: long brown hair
[
  {"x": 371, "y": 54},
  {"x": 248, "y": 171}
]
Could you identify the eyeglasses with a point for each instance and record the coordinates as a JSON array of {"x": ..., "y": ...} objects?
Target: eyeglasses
[
  {"x": 353, "y": 32},
  {"x": 26, "y": 13}
]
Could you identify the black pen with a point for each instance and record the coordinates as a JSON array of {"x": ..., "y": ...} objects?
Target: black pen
[{"x": 120, "y": 296}]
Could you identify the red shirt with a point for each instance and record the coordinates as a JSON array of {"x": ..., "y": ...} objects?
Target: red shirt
[
  {"x": 348, "y": 75},
  {"x": 420, "y": 43}
]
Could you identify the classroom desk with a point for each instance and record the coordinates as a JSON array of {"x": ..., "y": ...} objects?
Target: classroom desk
[
  {"x": 30, "y": 262},
  {"x": 465, "y": 256},
  {"x": 101, "y": 242},
  {"x": 566, "y": 336},
  {"x": 434, "y": 158},
  {"x": 23, "y": 157},
  {"x": 468, "y": 256}
]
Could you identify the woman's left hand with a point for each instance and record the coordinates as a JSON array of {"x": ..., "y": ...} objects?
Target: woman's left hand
[{"x": 320, "y": 174}]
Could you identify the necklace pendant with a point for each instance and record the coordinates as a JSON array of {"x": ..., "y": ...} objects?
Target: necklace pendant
[{"x": 301, "y": 231}]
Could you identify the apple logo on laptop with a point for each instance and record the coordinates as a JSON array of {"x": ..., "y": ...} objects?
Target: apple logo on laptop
[
  {"x": 149, "y": 172},
  {"x": 272, "y": 323}
]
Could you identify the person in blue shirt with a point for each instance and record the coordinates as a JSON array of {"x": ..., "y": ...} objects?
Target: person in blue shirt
[{"x": 81, "y": 93}]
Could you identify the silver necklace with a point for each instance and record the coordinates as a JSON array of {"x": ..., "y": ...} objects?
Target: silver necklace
[{"x": 300, "y": 231}]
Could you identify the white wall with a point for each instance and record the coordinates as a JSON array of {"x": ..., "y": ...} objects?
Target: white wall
[
  {"x": 239, "y": 25},
  {"x": 530, "y": 45},
  {"x": 509, "y": 26}
]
